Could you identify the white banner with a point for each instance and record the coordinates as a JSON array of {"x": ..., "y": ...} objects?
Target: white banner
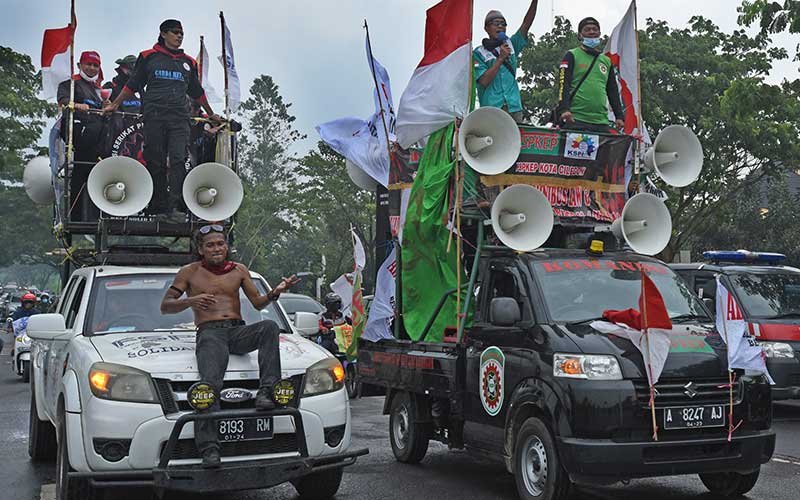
[
  {"x": 382, "y": 309},
  {"x": 203, "y": 60},
  {"x": 234, "y": 89}
]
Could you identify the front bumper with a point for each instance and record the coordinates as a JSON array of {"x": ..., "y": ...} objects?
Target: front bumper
[
  {"x": 786, "y": 374},
  {"x": 603, "y": 460},
  {"x": 241, "y": 475}
]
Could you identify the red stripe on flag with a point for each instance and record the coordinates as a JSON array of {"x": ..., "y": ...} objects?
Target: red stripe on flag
[
  {"x": 651, "y": 305},
  {"x": 55, "y": 41},
  {"x": 448, "y": 26},
  {"x": 631, "y": 121}
]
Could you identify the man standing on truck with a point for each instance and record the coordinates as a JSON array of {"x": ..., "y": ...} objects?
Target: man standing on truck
[{"x": 212, "y": 288}]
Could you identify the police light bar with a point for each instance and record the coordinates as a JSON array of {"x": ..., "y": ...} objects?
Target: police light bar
[{"x": 743, "y": 256}]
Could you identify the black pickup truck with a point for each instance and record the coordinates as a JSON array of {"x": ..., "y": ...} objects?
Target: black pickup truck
[{"x": 531, "y": 383}]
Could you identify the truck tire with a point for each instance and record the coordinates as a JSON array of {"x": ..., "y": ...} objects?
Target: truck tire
[
  {"x": 537, "y": 470},
  {"x": 41, "y": 435},
  {"x": 26, "y": 371},
  {"x": 729, "y": 484},
  {"x": 408, "y": 437},
  {"x": 70, "y": 488},
  {"x": 320, "y": 486}
]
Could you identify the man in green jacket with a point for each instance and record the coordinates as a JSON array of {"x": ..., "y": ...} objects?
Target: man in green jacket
[
  {"x": 495, "y": 62},
  {"x": 586, "y": 108}
]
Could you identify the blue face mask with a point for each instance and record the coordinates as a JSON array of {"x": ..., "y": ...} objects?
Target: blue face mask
[{"x": 591, "y": 42}]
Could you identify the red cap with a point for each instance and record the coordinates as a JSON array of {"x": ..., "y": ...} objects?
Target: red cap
[
  {"x": 28, "y": 297},
  {"x": 90, "y": 56}
]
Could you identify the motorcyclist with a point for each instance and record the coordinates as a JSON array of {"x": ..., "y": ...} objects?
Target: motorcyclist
[
  {"x": 329, "y": 319},
  {"x": 28, "y": 307},
  {"x": 45, "y": 302}
]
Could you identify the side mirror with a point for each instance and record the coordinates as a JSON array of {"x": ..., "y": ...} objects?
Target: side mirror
[
  {"x": 306, "y": 323},
  {"x": 46, "y": 326},
  {"x": 504, "y": 311}
]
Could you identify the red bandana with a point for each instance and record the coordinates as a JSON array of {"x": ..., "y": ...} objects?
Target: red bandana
[{"x": 218, "y": 269}]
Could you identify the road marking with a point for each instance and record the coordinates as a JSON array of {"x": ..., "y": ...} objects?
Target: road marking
[
  {"x": 48, "y": 492},
  {"x": 786, "y": 460}
]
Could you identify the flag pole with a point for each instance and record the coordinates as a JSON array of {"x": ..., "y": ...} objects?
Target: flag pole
[
  {"x": 70, "y": 145},
  {"x": 637, "y": 167},
  {"x": 200, "y": 61},
  {"x": 649, "y": 367},
  {"x": 378, "y": 91},
  {"x": 224, "y": 64}
]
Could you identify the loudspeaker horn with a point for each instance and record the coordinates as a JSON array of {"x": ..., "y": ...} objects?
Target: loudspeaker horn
[
  {"x": 522, "y": 217},
  {"x": 37, "y": 180},
  {"x": 212, "y": 191},
  {"x": 677, "y": 156},
  {"x": 120, "y": 186},
  {"x": 489, "y": 140},
  {"x": 645, "y": 224},
  {"x": 360, "y": 178}
]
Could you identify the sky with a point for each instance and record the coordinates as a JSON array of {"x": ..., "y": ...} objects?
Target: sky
[{"x": 314, "y": 49}]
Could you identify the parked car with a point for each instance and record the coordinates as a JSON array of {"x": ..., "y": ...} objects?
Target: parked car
[{"x": 294, "y": 302}]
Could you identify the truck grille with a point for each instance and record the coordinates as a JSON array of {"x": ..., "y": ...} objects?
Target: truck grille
[
  {"x": 280, "y": 443},
  {"x": 677, "y": 392}
]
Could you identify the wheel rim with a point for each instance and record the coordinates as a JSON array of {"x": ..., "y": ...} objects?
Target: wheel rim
[
  {"x": 533, "y": 465},
  {"x": 400, "y": 427}
]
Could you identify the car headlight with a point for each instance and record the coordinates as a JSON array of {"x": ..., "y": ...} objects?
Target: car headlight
[
  {"x": 121, "y": 383},
  {"x": 777, "y": 349},
  {"x": 322, "y": 377},
  {"x": 586, "y": 366}
]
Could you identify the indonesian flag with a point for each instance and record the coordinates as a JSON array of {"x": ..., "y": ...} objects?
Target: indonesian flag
[
  {"x": 438, "y": 91},
  {"x": 55, "y": 58},
  {"x": 623, "y": 49},
  {"x": 743, "y": 349},
  {"x": 648, "y": 328},
  {"x": 202, "y": 62}
]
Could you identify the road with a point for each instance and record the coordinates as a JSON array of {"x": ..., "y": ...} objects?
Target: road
[{"x": 442, "y": 474}]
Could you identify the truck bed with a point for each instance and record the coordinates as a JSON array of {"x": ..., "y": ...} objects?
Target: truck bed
[{"x": 421, "y": 367}]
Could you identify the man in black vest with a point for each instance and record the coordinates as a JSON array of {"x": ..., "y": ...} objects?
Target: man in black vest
[{"x": 166, "y": 75}]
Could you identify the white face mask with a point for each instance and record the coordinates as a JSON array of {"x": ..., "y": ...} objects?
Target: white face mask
[{"x": 89, "y": 78}]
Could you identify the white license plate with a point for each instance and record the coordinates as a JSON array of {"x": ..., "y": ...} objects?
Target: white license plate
[
  {"x": 690, "y": 417},
  {"x": 244, "y": 429}
]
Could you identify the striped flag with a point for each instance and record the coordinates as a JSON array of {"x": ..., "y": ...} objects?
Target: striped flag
[{"x": 55, "y": 58}]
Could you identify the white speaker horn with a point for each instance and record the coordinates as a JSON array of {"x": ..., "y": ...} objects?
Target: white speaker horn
[
  {"x": 645, "y": 224},
  {"x": 360, "y": 178},
  {"x": 522, "y": 218},
  {"x": 37, "y": 180},
  {"x": 489, "y": 141},
  {"x": 676, "y": 155},
  {"x": 212, "y": 191},
  {"x": 120, "y": 186}
]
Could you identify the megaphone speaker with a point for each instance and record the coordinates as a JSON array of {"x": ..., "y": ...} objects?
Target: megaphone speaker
[
  {"x": 645, "y": 224},
  {"x": 120, "y": 186},
  {"x": 359, "y": 177},
  {"x": 522, "y": 218},
  {"x": 212, "y": 191},
  {"x": 677, "y": 156},
  {"x": 489, "y": 140},
  {"x": 37, "y": 180}
]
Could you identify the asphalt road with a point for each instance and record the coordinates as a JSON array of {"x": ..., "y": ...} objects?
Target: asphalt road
[{"x": 442, "y": 474}]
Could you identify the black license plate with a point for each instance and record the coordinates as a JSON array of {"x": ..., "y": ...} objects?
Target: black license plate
[
  {"x": 690, "y": 417},
  {"x": 244, "y": 429}
]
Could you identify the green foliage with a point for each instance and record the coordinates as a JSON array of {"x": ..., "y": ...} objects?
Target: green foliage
[
  {"x": 713, "y": 83},
  {"x": 772, "y": 16}
]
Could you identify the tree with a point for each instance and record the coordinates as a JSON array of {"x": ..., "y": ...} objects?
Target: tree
[
  {"x": 772, "y": 17},
  {"x": 713, "y": 83}
]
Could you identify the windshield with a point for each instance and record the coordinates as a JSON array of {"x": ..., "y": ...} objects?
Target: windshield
[
  {"x": 768, "y": 295},
  {"x": 580, "y": 290},
  {"x": 294, "y": 304},
  {"x": 133, "y": 304}
]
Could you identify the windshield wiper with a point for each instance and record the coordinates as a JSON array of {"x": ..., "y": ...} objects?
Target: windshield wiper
[
  {"x": 794, "y": 314},
  {"x": 586, "y": 321},
  {"x": 681, "y": 318}
]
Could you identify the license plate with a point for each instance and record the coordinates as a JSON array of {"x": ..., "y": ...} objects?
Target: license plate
[
  {"x": 244, "y": 429},
  {"x": 689, "y": 417}
]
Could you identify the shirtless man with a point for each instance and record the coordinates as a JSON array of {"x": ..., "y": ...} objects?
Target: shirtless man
[{"x": 212, "y": 291}]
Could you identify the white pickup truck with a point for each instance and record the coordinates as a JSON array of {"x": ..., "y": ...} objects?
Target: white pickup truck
[{"x": 109, "y": 397}]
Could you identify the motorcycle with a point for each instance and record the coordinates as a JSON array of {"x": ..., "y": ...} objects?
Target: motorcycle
[
  {"x": 21, "y": 351},
  {"x": 327, "y": 338}
]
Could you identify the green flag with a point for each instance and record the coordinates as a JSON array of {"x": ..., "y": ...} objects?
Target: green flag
[
  {"x": 428, "y": 270},
  {"x": 359, "y": 317}
]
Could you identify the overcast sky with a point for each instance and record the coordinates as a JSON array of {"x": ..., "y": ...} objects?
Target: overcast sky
[{"x": 314, "y": 49}]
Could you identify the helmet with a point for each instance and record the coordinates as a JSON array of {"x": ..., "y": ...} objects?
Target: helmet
[
  {"x": 333, "y": 300},
  {"x": 28, "y": 297}
]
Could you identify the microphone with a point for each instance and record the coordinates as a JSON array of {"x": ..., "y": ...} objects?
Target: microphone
[{"x": 503, "y": 37}]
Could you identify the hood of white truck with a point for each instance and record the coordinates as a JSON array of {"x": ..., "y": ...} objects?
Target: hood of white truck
[{"x": 173, "y": 352}]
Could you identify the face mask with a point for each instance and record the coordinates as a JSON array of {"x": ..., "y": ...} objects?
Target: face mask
[
  {"x": 88, "y": 78},
  {"x": 591, "y": 42}
]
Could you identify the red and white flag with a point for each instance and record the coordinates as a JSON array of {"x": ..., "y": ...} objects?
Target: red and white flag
[
  {"x": 438, "y": 91},
  {"x": 648, "y": 328},
  {"x": 55, "y": 58},
  {"x": 743, "y": 349},
  {"x": 623, "y": 49}
]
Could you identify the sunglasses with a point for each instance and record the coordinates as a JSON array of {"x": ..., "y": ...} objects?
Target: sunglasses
[
  {"x": 499, "y": 23},
  {"x": 211, "y": 227},
  {"x": 176, "y": 32}
]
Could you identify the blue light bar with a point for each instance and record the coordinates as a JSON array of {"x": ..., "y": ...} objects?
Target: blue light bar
[{"x": 743, "y": 256}]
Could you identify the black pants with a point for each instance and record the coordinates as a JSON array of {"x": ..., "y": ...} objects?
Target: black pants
[
  {"x": 213, "y": 347},
  {"x": 163, "y": 139}
]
